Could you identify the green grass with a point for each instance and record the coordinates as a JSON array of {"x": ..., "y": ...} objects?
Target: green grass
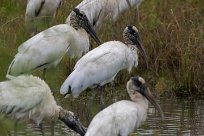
[{"x": 171, "y": 31}]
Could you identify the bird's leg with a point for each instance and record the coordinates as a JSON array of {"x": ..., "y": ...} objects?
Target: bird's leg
[
  {"x": 114, "y": 30},
  {"x": 70, "y": 65},
  {"x": 129, "y": 5},
  {"x": 94, "y": 92},
  {"x": 50, "y": 22},
  {"x": 43, "y": 75},
  {"x": 138, "y": 14},
  {"x": 89, "y": 112},
  {"x": 112, "y": 87},
  {"x": 15, "y": 128},
  {"x": 30, "y": 28},
  {"x": 41, "y": 128},
  {"x": 102, "y": 103},
  {"x": 52, "y": 126}
]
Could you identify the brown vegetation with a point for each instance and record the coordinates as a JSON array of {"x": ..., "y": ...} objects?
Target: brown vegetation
[{"x": 171, "y": 31}]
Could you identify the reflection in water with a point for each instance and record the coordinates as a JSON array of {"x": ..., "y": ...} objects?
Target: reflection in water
[{"x": 182, "y": 118}]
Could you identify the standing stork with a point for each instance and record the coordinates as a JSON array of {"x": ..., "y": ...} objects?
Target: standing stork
[
  {"x": 30, "y": 98},
  {"x": 40, "y": 12},
  {"x": 122, "y": 117},
  {"x": 47, "y": 48},
  {"x": 98, "y": 11},
  {"x": 101, "y": 65}
]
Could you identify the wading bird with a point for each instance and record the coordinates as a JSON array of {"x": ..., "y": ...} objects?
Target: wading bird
[
  {"x": 97, "y": 11},
  {"x": 40, "y": 13},
  {"x": 100, "y": 65},
  {"x": 47, "y": 48},
  {"x": 122, "y": 117},
  {"x": 30, "y": 98}
]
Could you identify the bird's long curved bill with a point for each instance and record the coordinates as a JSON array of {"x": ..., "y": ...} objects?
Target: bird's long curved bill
[
  {"x": 79, "y": 128},
  {"x": 92, "y": 33},
  {"x": 151, "y": 99},
  {"x": 143, "y": 52},
  {"x": 75, "y": 125}
]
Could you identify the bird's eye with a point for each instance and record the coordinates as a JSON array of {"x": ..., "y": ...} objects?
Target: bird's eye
[
  {"x": 136, "y": 81},
  {"x": 81, "y": 15},
  {"x": 136, "y": 34},
  {"x": 132, "y": 31},
  {"x": 76, "y": 117}
]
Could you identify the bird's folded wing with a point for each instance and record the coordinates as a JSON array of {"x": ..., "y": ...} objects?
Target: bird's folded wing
[
  {"x": 15, "y": 97},
  {"x": 97, "y": 53},
  {"x": 48, "y": 37},
  {"x": 33, "y": 7}
]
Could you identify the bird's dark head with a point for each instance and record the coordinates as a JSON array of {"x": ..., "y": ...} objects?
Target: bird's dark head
[
  {"x": 131, "y": 36},
  {"x": 78, "y": 19},
  {"x": 137, "y": 84},
  {"x": 72, "y": 121}
]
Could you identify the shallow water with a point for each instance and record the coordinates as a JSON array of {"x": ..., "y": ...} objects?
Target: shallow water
[{"x": 182, "y": 117}]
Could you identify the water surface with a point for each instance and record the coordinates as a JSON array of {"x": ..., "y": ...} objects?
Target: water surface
[{"x": 183, "y": 117}]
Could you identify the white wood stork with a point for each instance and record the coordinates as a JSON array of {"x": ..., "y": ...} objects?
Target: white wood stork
[
  {"x": 47, "y": 48},
  {"x": 122, "y": 117},
  {"x": 30, "y": 98},
  {"x": 40, "y": 12},
  {"x": 101, "y": 65},
  {"x": 97, "y": 11}
]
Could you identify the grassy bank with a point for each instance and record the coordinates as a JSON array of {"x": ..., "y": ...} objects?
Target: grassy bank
[{"x": 171, "y": 31}]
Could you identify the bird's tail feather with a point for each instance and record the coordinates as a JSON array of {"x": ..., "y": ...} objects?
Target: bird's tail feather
[
  {"x": 65, "y": 87},
  {"x": 73, "y": 84},
  {"x": 8, "y": 76}
]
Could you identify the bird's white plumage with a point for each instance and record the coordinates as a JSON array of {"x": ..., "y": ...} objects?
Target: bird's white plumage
[
  {"x": 120, "y": 118},
  {"x": 40, "y": 10},
  {"x": 100, "y": 66},
  {"x": 27, "y": 97},
  {"x": 47, "y": 48},
  {"x": 98, "y": 11}
]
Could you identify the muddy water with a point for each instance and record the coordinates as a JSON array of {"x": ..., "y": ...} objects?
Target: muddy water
[{"x": 182, "y": 117}]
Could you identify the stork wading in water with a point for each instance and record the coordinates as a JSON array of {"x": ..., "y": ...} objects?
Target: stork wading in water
[
  {"x": 30, "y": 98},
  {"x": 97, "y": 11},
  {"x": 122, "y": 117},
  {"x": 100, "y": 65},
  {"x": 47, "y": 48},
  {"x": 40, "y": 13}
]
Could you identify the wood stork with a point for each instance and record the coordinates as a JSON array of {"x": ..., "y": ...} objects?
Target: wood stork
[
  {"x": 30, "y": 98},
  {"x": 40, "y": 12},
  {"x": 47, "y": 48},
  {"x": 100, "y": 65},
  {"x": 122, "y": 117},
  {"x": 98, "y": 11}
]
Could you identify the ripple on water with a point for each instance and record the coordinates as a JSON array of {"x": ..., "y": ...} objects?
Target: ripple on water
[{"x": 182, "y": 118}]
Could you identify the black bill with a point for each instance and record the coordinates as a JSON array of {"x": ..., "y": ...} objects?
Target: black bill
[
  {"x": 87, "y": 26},
  {"x": 141, "y": 49},
  {"x": 73, "y": 122},
  {"x": 151, "y": 99}
]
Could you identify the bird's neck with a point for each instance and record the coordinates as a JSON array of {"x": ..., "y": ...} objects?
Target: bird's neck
[
  {"x": 137, "y": 98},
  {"x": 83, "y": 35},
  {"x": 127, "y": 40},
  {"x": 75, "y": 26},
  {"x": 74, "y": 22},
  {"x": 82, "y": 31},
  {"x": 132, "y": 47}
]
